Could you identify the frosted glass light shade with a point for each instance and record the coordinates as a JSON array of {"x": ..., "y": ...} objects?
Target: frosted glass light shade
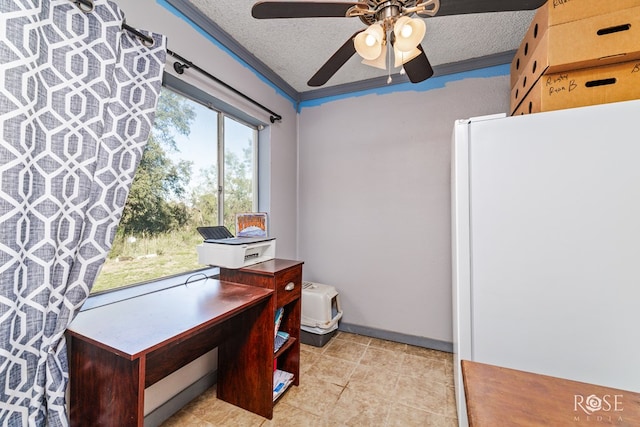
[
  {"x": 368, "y": 43},
  {"x": 401, "y": 57},
  {"x": 380, "y": 61},
  {"x": 408, "y": 32}
]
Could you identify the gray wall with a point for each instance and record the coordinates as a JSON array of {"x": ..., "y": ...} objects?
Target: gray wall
[
  {"x": 278, "y": 156},
  {"x": 357, "y": 187},
  {"x": 374, "y": 194}
]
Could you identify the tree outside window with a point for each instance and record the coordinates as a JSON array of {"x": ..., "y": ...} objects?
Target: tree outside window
[{"x": 177, "y": 188}]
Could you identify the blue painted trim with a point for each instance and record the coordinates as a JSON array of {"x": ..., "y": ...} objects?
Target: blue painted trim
[
  {"x": 432, "y": 83},
  {"x": 437, "y": 82},
  {"x": 178, "y": 14}
]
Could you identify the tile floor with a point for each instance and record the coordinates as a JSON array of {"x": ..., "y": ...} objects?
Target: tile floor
[{"x": 352, "y": 381}]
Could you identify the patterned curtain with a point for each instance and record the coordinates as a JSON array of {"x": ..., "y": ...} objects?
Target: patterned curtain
[{"x": 77, "y": 101}]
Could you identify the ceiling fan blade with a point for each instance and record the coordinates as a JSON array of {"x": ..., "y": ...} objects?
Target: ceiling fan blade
[
  {"x": 461, "y": 7},
  {"x": 337, "y": 60},
  {"x": 302, "y": 9},
  {"x": 419, "y": 68}
]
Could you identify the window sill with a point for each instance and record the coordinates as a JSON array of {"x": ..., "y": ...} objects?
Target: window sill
[{"x": 121, "y": 294}]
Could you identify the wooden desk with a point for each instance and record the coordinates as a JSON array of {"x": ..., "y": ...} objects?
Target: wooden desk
[
  {"x": 499, "y": 396},
  {"x": 119, "y": 349}
]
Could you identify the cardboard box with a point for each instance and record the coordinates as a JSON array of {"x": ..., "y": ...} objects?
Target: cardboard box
[
  {"x": 556, "y": 12},
  {"x": 561, "y": 11},
  {"x": 579, "y": 88},
  {"x": 536, "y": 31},
  {"x": 592, "y": 42}
]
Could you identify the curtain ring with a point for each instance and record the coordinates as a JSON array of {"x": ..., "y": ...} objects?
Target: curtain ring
[
  {"x": 146, "y": 40},
  {"x": 85, "y": 6},
  {"x": 147, "y": 43}
]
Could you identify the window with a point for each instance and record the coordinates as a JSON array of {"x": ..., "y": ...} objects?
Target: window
[{"x": 199, "y": 168}]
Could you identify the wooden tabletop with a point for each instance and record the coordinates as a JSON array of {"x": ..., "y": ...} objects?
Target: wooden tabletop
[
  {"x": 139, "y": 325},
  {"x": 499, "y": 396}
]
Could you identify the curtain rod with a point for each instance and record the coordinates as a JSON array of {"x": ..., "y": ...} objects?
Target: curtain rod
[{"x": 182, "y": 63}]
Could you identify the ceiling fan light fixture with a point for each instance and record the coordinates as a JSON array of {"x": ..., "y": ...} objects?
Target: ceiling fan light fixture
[
  {"x": 369, "y": 43},
  {"x": 408, "y": 32},
  {"x": 393, "y": 15}
]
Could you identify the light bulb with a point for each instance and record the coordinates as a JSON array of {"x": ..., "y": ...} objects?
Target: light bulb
[
  {"x": 370, "y": 40},
  {"x": 406, "y": 31}
]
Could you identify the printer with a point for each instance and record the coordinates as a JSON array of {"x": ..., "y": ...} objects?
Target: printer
[{"x": 221, "y": 249}]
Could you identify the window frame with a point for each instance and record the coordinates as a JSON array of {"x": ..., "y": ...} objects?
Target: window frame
[{"x": 223, "y": 110}]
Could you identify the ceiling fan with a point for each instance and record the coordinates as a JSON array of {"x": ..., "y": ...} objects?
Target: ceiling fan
[{"x": 388, "y": 22}]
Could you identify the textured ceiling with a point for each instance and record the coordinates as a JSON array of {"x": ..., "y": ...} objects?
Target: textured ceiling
[{"x": 294, "y": 49}]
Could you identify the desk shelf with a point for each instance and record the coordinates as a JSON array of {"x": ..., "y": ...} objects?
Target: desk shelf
[
  {"x": 284, "y": 277},
  {"x": 284, "y": 348}
]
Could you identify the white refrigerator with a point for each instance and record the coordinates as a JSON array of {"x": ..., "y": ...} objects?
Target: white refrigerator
[{"x": 546, "y": 244}]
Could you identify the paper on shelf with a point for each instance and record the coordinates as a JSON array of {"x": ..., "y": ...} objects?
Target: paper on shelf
[{"x": 281, "y": 380}]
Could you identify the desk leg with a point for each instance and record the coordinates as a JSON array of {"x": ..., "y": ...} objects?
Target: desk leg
[
  {"x": 105, "y": 389},
  {"x": 245, "y": 361}
]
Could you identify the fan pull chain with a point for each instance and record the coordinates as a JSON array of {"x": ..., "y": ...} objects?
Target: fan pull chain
[{"x": 389, "y": 79}]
